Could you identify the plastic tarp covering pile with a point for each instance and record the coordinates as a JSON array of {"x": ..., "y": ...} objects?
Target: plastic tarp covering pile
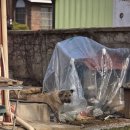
[{"x": 96, "y": 73}]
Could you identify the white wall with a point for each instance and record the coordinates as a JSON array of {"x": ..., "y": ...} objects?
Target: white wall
[{"x": 121, "y": 6}]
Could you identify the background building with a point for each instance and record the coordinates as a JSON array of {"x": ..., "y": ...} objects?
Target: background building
[
  {"x": 91, "y": 13},
  {"x": 60, "y": 14},
  {"x": 36, "y": 14}
]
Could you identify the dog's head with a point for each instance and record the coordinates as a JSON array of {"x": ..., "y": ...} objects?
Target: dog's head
[{"x": 65, "y": 95}]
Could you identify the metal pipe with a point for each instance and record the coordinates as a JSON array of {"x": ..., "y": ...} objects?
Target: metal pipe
[{"x": 23, "y": 123}]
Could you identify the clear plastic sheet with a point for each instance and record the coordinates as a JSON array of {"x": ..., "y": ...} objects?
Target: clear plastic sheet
[{"x": 95, "y": 72}]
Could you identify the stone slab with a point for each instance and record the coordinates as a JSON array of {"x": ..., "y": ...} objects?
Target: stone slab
[{"x": 33, "y": 112}]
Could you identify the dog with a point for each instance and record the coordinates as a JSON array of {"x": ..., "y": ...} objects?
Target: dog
[{"x": 55, "y": 99}]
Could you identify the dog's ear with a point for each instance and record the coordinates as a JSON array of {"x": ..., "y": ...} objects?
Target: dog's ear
[
  {"x": 71, "y": 90},
  {"x": 61, "y": 93}
]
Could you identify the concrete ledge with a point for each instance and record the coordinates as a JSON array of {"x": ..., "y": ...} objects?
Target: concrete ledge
[
  {"x": 121, "y": 125},
  {"x": 33, "y": 112},
  {"x": 72, "y": 30},
  {"x": 54, "y": 126}
]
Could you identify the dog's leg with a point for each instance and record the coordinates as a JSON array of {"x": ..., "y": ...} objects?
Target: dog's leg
[
  {"x": 56, "y": 114},
  {"x": 57, "y": 117}
]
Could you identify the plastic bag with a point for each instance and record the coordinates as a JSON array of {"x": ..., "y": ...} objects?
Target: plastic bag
[{"x": 95, "y": 72}]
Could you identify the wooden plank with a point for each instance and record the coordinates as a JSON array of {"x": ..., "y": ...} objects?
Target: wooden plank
[{"x": 9, "y": 82}]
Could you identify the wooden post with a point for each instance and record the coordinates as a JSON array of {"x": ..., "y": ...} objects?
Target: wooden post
[
  {"x": 5, "y": 55},
  {"x": 127, "y": 102},
  {"x": 4, "y": 36}
]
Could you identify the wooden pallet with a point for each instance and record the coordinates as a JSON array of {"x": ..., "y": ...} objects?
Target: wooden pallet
[{"x": 4, "y": 82}]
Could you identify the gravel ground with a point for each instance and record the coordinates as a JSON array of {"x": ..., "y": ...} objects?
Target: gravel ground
[{"x": 113, "y": 124}]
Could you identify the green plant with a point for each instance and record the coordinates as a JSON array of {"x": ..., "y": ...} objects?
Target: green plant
[{"x": 19, "y": 26}]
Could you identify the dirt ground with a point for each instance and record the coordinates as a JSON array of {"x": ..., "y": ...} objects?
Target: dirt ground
[
  {"x": 114, "y": 124},
  {"x": 2, "y": 127},
  {"x": 110, "y": 124},
  {"x": 94, "y": 124}
]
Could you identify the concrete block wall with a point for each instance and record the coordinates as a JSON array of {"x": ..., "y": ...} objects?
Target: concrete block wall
[{"x": 30, "y": 51}]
